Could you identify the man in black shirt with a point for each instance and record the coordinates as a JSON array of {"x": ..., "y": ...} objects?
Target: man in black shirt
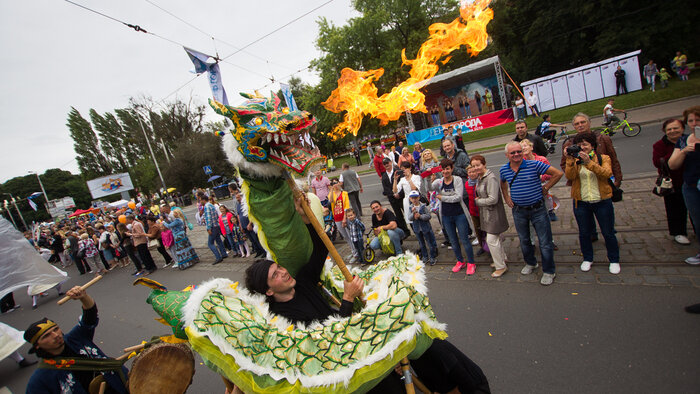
[
  {"x": 620, "y": 83},
  {"x": 384, "y": 219},
  {"x": 442, "y": 367},
  {"x": 537, "y": 142},
  {"x": 392, "y": 172}
]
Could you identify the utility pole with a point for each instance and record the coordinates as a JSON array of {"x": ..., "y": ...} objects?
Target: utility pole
[
  {"x": 151, "y": 150},
  {"x": 14, "y": 202}
]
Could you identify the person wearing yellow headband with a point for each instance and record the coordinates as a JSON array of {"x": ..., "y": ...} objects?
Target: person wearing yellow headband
[{"x": 71, "y": 361}]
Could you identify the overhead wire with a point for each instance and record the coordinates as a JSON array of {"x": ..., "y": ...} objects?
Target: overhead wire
[{"x": 138, "y": 28}]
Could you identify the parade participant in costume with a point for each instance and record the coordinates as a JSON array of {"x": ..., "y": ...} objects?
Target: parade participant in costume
[
  {"x": 442, "y": 367},
  {"x": 71, "y": 361}
]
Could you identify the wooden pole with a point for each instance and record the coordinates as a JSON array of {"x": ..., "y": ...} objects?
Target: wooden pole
[
  {"x": 85, "y": 286},
  {"x": 338, "y": 261},
  {"x": 319, "y": 228},
  {"x": 515, "y": 85}
]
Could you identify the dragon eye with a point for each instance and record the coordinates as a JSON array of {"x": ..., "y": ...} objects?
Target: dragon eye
[
  {"x": 285, "y": 110},
  {"x": 258, "y": 121}
]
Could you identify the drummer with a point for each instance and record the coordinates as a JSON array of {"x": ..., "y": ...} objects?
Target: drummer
[
  {"x": 442, "y": 367},
  {"x": 54, "y": 347}
]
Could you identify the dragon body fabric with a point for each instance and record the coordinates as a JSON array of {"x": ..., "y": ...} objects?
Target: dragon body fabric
[{"x": 233, "y": 329}]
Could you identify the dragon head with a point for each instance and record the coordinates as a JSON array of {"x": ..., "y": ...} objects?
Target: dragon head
[{"x": 265, "y": 133}]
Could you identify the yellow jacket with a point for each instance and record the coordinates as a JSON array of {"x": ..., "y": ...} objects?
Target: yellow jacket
[{"x": 603, "y": 173}]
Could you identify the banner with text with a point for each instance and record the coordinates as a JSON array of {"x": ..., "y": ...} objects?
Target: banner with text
[{"x": 466, "y": 125}]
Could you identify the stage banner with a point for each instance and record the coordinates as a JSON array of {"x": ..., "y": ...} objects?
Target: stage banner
[
  {"x": 110, "y": 184},
  {"x": 466, "y": 125}
]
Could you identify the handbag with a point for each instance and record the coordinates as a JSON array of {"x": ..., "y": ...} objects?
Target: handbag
[
  {"x": 167, "y": 237},
  {"x": 385, "y": 243},
  {"x": 664, "y": 184},
  {"x": 153, "y": 243}
]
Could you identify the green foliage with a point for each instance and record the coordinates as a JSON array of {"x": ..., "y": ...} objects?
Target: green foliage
[
  {"x": 534, "y": 39},
  {"x": 58, "y": 184},
  {"x": 185, "y": 170}
]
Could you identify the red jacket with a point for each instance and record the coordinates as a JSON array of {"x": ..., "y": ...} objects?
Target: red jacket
[
  {"x": 662, "y": 149},
  {"x": 471, "y": 192},
  {"x": 378, "y": 166},
  {"x": 228, "y": 217}
]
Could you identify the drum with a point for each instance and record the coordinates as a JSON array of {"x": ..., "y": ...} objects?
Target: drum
[{"x": 162, "y": 368}]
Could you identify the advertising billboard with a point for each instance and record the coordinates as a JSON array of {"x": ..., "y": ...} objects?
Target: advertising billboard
[{"x": 110, "y": 184}]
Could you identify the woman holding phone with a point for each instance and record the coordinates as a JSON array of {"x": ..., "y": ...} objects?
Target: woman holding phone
[{"x": 686, "y": 154}]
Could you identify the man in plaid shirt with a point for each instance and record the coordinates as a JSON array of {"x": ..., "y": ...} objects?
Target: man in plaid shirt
[{"x": 211, "y": 220}]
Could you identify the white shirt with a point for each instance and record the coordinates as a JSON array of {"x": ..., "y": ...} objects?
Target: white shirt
[
  {"x": 607, "y": 111},
  {"x": 403, "y": 185},
  {"x": 532, "y": 100},
  {"x": 519, "y": 102}
]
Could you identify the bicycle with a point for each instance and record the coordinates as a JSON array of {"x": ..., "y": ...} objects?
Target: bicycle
[
  {"x": 628, "y": 129},
  {"x": 368, "y": 253},
  {"x": 551, "y": 145}
]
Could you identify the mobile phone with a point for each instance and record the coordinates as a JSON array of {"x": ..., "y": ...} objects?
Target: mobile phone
[{"x": 697, "y": 133}]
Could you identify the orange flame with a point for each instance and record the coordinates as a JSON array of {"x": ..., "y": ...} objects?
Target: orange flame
[{"x": 357, "y": 94}]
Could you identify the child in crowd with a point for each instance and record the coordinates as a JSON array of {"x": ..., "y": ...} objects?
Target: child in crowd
[
  {"x": 328, "y": 224},
  {"x": 664, "y": 76},
  {"x": 239, "y": 246},
  {"x": 422, "y": 228},
  {"x": 356, "y": 229}
]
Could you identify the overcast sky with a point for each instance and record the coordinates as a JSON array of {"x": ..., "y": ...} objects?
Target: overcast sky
[{"x": 55, "y": 55}]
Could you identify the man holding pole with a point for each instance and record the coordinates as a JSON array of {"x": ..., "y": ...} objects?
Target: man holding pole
[
  {"x": 442, "y": 367},
  {"x": 70, "y": 362}
]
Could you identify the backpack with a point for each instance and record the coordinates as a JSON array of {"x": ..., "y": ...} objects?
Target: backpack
[{"x": 538, "y": 130}]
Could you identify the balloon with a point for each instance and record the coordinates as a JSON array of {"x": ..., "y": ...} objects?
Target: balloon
[
  {"x": 122, "y": 219},
  {"x": 132, "y": 205}
]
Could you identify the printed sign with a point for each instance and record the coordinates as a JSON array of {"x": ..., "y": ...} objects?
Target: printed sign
[{"x": 110, "y": 184}]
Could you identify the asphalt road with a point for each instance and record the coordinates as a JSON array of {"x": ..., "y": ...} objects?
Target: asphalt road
[
  {"x": 634, "y": 154},
  {"x": 526, "y": 337}
]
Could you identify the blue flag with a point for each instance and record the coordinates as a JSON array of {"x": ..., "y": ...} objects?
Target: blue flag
[
  {"x": 288, "y": 97},
  {"x": 199, "y": 60}
]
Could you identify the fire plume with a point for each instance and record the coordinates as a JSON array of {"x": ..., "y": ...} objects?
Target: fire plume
[{"x": 357, "y": 94}]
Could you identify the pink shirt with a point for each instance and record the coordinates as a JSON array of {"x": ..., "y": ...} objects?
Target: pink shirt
[{"x": 321, "y": 187}]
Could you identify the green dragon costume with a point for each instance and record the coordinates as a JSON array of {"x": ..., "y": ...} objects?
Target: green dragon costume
[{"x": 233, "y": 329}]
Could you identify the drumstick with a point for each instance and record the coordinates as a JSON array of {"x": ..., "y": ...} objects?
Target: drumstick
[
  {"x": 103, "y": 387},
  {"x": 134, "y": 348},
  {"x": 85, "y": 286}
]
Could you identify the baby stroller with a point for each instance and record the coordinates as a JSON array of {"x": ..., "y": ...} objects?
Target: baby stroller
[{"x": 329, "y": 226}]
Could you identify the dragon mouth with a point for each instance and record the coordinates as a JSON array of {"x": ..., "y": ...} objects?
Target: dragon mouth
[{"x": 292, "y": 150}]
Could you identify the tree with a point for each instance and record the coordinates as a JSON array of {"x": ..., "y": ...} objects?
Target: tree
[
  {"x": 535, "y": 39},
  {"x": 185, "y": 170},
  {"x": 90, "y": 159}
]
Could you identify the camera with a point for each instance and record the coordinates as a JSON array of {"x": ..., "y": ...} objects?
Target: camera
[{"x": 573, "y": 150}]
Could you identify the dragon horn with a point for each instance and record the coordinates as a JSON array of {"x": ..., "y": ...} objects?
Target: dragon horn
[{"x": 167, "y": 304}]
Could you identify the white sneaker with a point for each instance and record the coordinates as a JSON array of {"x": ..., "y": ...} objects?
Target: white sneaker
[
  {"x": 475, "y": 242},
  {"x": 614, "y": 268},
  {"x": 681, "y": 239},
  {"x": 586, "y": 266},
  {"x": 695, "y": 260},
  {"x": 547, "y": 279},
  {"x": 527, "y": 269}
]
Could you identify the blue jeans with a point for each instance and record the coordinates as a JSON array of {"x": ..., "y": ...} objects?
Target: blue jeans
[
  {"x": 521, "y": 112},
  {"x": 459, "y": 223},
  {"x": 539, "y": 218},
  {"x": 232, "y": 242},
  {"x": 214, "y": 237},
  {"x": 605, "y": 214},
  {"x": 426, "y": 237},
  {"x": 691, "y": 195},
  {"x": 395, "y": 236}
]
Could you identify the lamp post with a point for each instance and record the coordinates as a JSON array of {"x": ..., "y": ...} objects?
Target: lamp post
[
  {"x": 43, "y": 191},
  {"x": 148, "y": 142}
]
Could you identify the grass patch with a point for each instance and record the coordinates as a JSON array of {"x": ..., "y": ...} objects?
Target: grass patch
[{"x": 676, "y": 89}]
